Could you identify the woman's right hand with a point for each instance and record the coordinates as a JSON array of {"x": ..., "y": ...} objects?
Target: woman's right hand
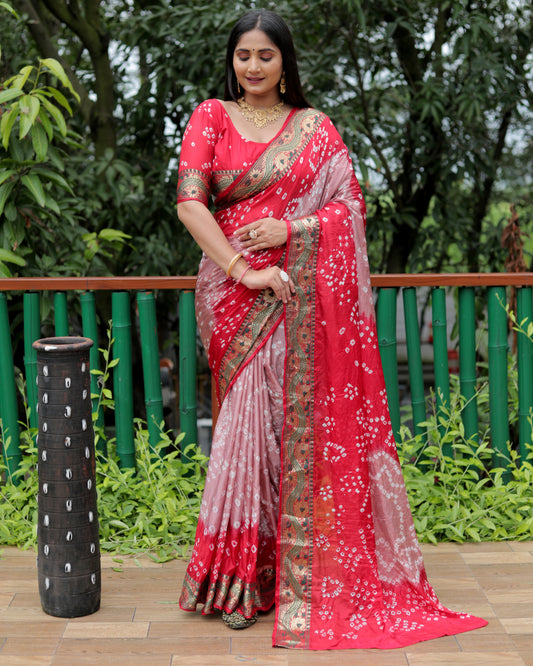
[{"x": 269, "y": 278}]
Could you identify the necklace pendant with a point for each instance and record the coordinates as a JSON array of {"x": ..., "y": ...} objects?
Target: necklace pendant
[{"x": 260, "y": 117}]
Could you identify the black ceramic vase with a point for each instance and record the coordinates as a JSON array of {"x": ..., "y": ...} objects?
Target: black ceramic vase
[{"x": 68, "y": 561}]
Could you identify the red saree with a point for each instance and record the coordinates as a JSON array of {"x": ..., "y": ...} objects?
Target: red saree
[{"x": 305, "y": 504}]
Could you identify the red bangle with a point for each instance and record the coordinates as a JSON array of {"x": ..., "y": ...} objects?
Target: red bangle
[{"x": 243, "y": 274}]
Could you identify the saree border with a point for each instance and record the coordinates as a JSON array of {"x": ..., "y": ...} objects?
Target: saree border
[
  {"x": 255, "y": 329},
  {"x": 295, "y": 533},
  {"x": 277, "y": 159}
]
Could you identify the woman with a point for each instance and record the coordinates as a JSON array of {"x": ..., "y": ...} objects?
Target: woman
[{"x": 304, "y": 506}]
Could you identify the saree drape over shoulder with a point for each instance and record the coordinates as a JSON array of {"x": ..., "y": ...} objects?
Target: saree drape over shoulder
[{"x": 305, "y": 505}]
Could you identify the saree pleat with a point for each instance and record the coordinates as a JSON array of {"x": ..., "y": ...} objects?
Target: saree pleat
[
  {"x": 233, "y": 562},
  {"x": 305, "y": 504}
]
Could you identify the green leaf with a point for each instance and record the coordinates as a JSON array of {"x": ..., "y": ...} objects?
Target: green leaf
[
  {"x": 10, "y": 257},
  {"x": 9, "y": 8},
  {"x": 4, "y": 271},
  {"x": 56, "y": 115},
  {"x": 5, "y": 191},
  {"x": 7, "y": 122},
  {"x": 40, "y": 141},
  {"x": 60, "y": 98},
  {"x": 29, "y": 109},
  {"x": 47, "y": 125},
  {"x": 109, "y": 234},
  {"x": 56, "y": 68},
  {"x": 9, "y": 94},
  {"x": 4, "y": 175},
  {"x": 32, "y": 182},
  {"x": 20, "y": 80},
  {"x": 54, "y": 177}
]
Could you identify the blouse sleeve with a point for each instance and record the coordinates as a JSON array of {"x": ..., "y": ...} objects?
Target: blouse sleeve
[{"x": 197, "y": 153}]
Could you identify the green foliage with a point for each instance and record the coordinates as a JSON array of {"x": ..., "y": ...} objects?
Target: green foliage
[
  {"x": 40, "y": 214},
  {"x": 431, "y": 98},
  {"x": 150, "y": 509},
  {"x": 154, "y": 508},
  {"x": 463, "y": 498}
]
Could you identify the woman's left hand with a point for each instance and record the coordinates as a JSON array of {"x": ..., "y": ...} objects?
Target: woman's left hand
[{"x": 262, "y": 234}]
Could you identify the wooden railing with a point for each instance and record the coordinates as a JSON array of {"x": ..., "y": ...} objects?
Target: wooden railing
[{"x": 491, "y": 290}]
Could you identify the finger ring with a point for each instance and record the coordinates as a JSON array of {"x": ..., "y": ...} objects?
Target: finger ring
[
  {"x": 284, "y": 277},
  {"x": 253, "y": 234}
]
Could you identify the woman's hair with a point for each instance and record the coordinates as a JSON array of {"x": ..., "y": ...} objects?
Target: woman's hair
[{"x": 278, "y": 32}]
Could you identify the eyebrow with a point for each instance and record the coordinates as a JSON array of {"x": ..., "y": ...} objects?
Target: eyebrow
[{"x": 269, "y": 49}]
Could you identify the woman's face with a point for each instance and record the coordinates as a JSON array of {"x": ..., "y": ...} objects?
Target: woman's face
[{"x": 258, "y": 66}]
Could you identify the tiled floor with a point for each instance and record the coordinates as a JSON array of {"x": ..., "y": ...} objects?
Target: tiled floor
[{"x": 140, "y": 623}]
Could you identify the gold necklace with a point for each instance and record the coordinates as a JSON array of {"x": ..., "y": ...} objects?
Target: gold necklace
[{"x": 260, "y": 117}]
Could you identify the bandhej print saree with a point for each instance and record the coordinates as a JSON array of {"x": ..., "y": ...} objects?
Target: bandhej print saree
[{"x": 305, "y": 506}]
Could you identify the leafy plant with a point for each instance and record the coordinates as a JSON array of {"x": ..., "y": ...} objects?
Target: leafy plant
[
  {"x": 462, "y": 497},
  {"x": 152, "y": 509}
]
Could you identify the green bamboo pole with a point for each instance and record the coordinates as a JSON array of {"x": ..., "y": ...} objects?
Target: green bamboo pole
[
  {"x": 187, "y": 397},
  {"x": 90, "y": 330},
  {"x": 440, "y": 361},
  {"x": 60, "y": 314},
  {"x": 32, "y": 332},
  {"x": 386, "y": 325},
  {"x": 8, "y": 396},
  {"x": 153, "y": 395},
  {"x": 524, "y": 308},
  {"x": 122, "y": 378},
  {"x": 414, "y": 360},
  {"x": 498, "y": 397},
  {"x": 467, "y": 361}
]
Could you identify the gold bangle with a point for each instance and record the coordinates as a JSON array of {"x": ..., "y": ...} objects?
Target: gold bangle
[{"x": 233, "y": 262}]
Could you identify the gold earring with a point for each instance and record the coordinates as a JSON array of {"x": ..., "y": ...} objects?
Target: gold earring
[
  {"x": 282, "y": 84},
  {"x": 238, "y": 88}
]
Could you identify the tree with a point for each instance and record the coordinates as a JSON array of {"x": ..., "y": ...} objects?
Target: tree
[{"x": 432, "y": 98}]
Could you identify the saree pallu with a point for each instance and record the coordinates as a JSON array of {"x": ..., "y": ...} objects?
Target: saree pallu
[{"x": 343, "y": 564}]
